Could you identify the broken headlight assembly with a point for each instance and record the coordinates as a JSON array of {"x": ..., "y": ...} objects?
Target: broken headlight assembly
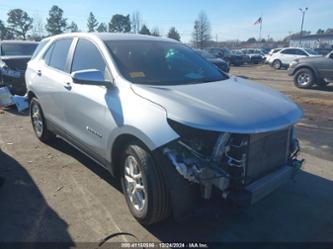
[{"x": 197, "y": 156}]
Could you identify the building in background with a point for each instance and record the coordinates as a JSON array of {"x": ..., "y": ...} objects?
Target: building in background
[{"x": 313, "y": 41}]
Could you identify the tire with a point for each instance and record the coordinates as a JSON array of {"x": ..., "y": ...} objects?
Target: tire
[
  {"x": 148, "y": 200},
  {"x": 277, "y": 64},
  {"x": 304, "y": 78},
  {"x": 38, "y": 121}
]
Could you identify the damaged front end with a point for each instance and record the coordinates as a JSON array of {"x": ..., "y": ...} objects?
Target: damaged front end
[
  {"x": 12, "y": 75},
  {"x": 244, "y": 167}
]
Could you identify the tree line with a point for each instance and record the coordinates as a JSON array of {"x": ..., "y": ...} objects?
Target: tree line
[{"x": 21, "y": 26}]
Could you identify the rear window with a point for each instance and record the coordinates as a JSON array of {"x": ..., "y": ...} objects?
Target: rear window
[
  {"x": 39, "y": 48},
  {"x": 289, "y": 51},
  {"x": 18, "y": 49}
]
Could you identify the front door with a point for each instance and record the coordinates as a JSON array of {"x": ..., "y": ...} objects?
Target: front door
[{"x": 86, "y": 105}]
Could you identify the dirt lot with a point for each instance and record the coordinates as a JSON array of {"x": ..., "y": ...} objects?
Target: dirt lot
[{"x": 53, "y": 193}]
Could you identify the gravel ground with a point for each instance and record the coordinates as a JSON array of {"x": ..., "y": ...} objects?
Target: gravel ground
[{"x": 53, "y": 193}]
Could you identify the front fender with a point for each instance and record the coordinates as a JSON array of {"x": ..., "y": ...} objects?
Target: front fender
[{"x": 141, "y": 119}]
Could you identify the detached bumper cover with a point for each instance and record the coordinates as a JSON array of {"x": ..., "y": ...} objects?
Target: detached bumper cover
[{"x": 262, "y": 187}]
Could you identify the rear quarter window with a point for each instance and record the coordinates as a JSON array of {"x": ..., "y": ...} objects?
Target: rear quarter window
[{"x": 40, "y": 46}]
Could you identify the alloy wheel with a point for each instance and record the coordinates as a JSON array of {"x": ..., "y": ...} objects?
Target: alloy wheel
[
  {"x": 304, "y": 79},
  {"x": 134, "y": 184},
  {"x": 37, "y": 119}
]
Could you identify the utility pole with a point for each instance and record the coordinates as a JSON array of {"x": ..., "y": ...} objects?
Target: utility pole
[{"x": 300, "y": 35}]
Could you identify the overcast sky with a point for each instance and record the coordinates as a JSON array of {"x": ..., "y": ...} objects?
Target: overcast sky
[{"x": 229, "y": 19}]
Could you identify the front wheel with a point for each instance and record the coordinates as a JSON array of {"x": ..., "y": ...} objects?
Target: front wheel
[
  {"x": 304, "y": 78},
  {"x": 38, "y": 121},
  {"x": 143, "y": 185}
]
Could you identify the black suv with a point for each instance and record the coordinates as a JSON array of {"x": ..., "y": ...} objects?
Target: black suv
[
  {"x": 14, "y": 56},
  {"x": 227, "y": 55},
  {"x": 309, "y": 71}
]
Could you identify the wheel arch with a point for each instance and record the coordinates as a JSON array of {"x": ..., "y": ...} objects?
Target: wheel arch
[
  {"x": 31, "y": 95},
  {"x": 119, "y": 145},
  {"x": 312, "y": 69}
]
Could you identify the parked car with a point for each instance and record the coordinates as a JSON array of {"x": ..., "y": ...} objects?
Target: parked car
[
  {"x": 265, "y": 50},
  {"x": 256, "y": 56},
  {"x": 245, "y": 57},
  {"x": 285, "y": 56},
  {"x": 311, "y": 71},
  {"x": 163, "y": 119},
  {"x": 14, "y": 56},
  {"x": 270, "y": 54},
  {"x": 227, "y": 55},
  {"x": 220, "y": 63}
]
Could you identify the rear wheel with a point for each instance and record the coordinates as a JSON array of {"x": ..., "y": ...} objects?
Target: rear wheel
[
  {"x": 277, "y": 64},
  {"x": 304, "y": 78},
  {"x": 143, "y": 185},
  {"x": 38, "y": 121}
]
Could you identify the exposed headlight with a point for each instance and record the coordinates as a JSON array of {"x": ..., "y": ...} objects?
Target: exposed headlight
[{"x": 199, "y": 140}]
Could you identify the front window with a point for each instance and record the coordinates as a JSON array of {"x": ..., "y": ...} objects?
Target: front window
[
  {"x": 161, "y": 63},
  {"x": 18, "y": 49}
]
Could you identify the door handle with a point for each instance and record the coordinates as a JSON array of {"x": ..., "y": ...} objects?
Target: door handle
[
  {"x": 68, "y": 86},
  {"x": 39, "y": 72}
]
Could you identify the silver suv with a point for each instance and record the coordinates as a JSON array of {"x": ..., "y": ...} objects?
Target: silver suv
[{"x": 156, "y": 114}]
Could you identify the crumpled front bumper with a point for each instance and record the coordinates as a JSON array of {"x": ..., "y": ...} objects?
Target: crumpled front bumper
[{"x": 262, "y": 187}]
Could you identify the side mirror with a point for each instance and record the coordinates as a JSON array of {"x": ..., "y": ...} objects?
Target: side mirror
[{"x": 89, "y": 77}]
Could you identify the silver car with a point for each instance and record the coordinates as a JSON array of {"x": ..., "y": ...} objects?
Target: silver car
[{"x": 165, "y": 121}]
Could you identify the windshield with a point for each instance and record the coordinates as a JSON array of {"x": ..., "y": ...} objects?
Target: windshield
[
  {"x": 12, "y": 49},
  {"x": 310, "y": 51},
  {"x": 161, "y": 63}
]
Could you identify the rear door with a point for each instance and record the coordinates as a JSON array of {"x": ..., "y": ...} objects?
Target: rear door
[{"x": 52, "y": 73}]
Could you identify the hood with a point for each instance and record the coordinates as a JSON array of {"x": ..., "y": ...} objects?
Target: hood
[
  {"x": 234, "y": 105},
  {"x": 16, "y": 62},
  {"x": 312, "y": 59}
]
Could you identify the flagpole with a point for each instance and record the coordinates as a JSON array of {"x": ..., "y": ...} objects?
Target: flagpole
[
  {"x": 260, "y": 28},
  {"x": 260, "y": 31}
]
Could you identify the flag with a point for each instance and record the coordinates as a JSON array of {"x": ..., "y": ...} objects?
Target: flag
[{"x": 258, "y": 21}]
